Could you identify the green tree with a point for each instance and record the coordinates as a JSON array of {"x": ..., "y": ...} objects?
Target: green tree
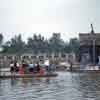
[
  {"x": 15, "y": 45},
  {"x": 74, "y": 45},
  {"x": 56, "y": 43},
  {"x": 67, "y": 48},
  {"x": 1, "y": 38},
  {"x": 37, "y": 43}
]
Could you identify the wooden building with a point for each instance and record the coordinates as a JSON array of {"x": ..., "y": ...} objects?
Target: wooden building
[{"x": 90, "y": 45}]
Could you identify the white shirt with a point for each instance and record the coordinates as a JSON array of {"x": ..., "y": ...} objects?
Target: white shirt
[
  {"x": 11, "y": 65},
  {"x": 17, "y": 64},
  {"x": 46, "y": 62}
]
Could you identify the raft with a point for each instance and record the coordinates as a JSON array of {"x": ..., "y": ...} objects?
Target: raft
[{"x": 28, "y": 75}]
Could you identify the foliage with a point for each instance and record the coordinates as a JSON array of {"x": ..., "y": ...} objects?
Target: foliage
[
  {"x": 1, "y": 38},
  {"x": 38, "y": 43},
  {"x": 56, "y": 44},
  {"x": 74, "y": 45},
  {"x": 15, "y": 45}
]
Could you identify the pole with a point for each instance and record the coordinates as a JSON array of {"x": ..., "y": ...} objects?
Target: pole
[{"x": 93, "y": 51}]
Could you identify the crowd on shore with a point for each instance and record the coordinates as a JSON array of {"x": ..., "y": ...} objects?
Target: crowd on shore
[{"x": 29, "y": 68}]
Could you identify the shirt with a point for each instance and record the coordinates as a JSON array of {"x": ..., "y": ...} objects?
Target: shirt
[
  {"x": 30, "y": 65},
  {"x": 11, "y": 65}
]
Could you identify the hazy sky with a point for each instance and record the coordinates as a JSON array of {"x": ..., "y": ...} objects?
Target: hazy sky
[{"x": 46, "y": 16}]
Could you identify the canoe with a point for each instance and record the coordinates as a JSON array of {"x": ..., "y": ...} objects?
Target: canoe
[{"x": 28, "y": 76}]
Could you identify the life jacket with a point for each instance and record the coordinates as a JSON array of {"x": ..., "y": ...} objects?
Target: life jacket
[
  {"x": 21, "y": 70},
  {"x": 41, "y": 71}
]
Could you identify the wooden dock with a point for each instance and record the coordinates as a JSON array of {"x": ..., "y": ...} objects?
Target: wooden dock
[
  {"x": 28, "y": 75},
  {"x": 84, "y": 71}
]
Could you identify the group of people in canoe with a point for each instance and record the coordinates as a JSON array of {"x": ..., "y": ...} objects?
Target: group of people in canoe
[{"x": 28, "y": 68}]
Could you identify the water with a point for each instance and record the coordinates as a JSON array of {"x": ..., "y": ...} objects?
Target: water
[{"x": 67, "y": 86}]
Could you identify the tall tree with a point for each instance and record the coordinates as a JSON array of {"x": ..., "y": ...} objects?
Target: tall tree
[
  {"x": 56, "y": 43},
  {"x": 37, "y": 43},
  {"x": 74, "y": 45},
  {"x": 67, "y": 48},
  {"x": 15, "y": 45},
  {"x": 1, "y": 38}
]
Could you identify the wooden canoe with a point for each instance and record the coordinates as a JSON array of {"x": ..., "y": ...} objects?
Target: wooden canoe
[{"x": 28, "y": 76}]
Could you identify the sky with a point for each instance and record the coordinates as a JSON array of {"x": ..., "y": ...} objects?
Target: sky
[{"x": 69, "y": 17}]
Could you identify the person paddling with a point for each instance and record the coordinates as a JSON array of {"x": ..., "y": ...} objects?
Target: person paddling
[
  {"x": 22, "y": 68},
  {"x": 31, "y": 68},
  {"x": 12, "y": 70},
  {"x": 37, "y": 68},
  {"x": 16, "y": 67}
]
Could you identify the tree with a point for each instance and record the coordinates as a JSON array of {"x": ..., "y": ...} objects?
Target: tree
[
  {"x": 56, "y": 43},
  {"x": 67, "y": 48},
  {"x": 74, "y": 45},
  {"x": 15, "y": 45},
  {"x": 1, "y": 38},
  {"x": 37, "y": 43}
]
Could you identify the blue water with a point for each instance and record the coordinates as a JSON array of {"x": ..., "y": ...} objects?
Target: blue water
[{"x": 67, "y": 86}]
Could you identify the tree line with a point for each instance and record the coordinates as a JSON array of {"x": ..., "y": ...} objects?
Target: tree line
[{"x": 37, "y": 43}]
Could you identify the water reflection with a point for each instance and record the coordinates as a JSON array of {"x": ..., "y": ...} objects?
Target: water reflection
[
  {"x": 71, "y": 86},
  {"x": 13, "y": 82},
  {"x": 89, "y": 85},
  {"x": 24, "y": 82}
]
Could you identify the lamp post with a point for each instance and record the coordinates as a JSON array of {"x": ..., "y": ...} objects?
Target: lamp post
[
  {"x": 94, "y": 51},
  {"x": 94, "y": 40},
  {"x": 1, "y": 49}
]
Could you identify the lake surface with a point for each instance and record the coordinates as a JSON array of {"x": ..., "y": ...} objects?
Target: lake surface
[{"x": 67, "y": 86}]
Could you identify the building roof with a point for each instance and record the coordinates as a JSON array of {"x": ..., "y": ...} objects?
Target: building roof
[{"x": 88, "y": 38}]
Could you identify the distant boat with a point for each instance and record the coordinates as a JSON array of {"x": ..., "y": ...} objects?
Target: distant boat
[
  {"x": 91, "y": 67},
  {"x": 64, "y": 64}
]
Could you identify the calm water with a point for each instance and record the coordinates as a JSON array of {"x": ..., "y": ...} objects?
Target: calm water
[{"x": 67, "y": 86}]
